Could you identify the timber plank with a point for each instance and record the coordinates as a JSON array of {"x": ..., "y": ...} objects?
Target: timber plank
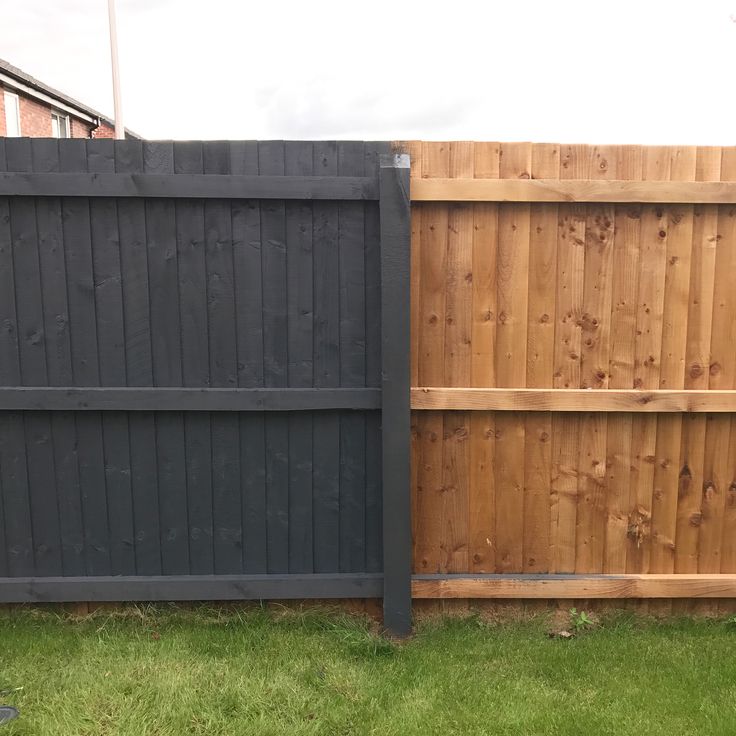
[
  {"x": 625, "y": 284},
  {"x": 583, "y": 189},
  {"x": 139, "y": 364},
  {"x": 167, "y": 328}
]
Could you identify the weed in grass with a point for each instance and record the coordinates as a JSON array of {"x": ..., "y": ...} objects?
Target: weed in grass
[{"x": 580, "y": 620}]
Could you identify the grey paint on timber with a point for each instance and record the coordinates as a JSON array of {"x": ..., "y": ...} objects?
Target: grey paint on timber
[
  {"x": 192, "y": 186},
  {"x": 189, "y": 587},
  {"x": 395, "y": 281},
  {"x": 194, "y": 370}
]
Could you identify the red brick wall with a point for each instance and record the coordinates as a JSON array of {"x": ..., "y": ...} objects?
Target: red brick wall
[
  {"x": 104, "y": 131},
  {"x": 35, "y": 121}
]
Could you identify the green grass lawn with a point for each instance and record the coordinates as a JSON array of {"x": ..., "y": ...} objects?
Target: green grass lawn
[{"x": 170, "y": 672}]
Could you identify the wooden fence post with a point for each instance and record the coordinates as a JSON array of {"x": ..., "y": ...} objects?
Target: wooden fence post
[{"x": 395, "y": 419}]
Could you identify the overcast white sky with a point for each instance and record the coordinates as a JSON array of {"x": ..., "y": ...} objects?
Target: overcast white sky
[{"x": 620, "y": 71}]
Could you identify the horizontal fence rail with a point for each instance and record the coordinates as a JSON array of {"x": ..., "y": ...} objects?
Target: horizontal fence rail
[
  {"x": 575, "y": 586},
  {"x": 191, "y": 186},
  {"x": 188, "y": 399},
  {"x": 573, "y": 400},
  {"x": 190, "y": 587},
  {"x": 584, "y": 190}
]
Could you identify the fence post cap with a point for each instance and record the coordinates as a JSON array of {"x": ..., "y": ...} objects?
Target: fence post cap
[{"x": 395, "y": 161}]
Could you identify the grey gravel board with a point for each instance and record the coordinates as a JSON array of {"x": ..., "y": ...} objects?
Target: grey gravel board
[
  {"x": 190, "y": 587},
  {"x": 111, "y": 347},
  {"x": 300, "y": 321},
  {"x": 351, "y": 160},
  {"x": 226, "y": 496},
  {"x": 39, "y": 456},
  {"x": 63, "y": 440},
  {"x": 326, "y": 337},
  {"x": 139, "y": 364},
  {"x": 271, "y": 161},
  {"x": 171, "y": 458},
  {"x": 80, "y": 283}
]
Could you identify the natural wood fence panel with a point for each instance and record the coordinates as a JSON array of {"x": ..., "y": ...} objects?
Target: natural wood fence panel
[{"x": 568, "y": 295}]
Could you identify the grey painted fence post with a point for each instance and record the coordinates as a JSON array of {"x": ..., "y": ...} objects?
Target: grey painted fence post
[{"x": 395, "y": 419}]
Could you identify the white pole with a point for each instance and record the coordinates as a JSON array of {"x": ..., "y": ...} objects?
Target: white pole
[{"x": 117, "y": 99}]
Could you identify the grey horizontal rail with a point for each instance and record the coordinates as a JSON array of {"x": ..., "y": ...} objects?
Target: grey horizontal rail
[
  {"x": 190, "y": 587},
  {"x": 187, "y": 399},
  {"x": 194, "y": 186}
]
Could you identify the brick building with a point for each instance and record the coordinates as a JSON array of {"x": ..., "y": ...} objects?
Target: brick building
[{"x": 32, "y": 109}]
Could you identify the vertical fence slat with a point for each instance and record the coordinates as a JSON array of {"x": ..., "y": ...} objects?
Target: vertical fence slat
[
  {"x": 481, "y": 491},
  {"x": 433, "y": 258},
  {"x": 59, "y": 363},
  {"x": 722, "y": 374},
  {"x": 625, "y": 285},
  {"x": 511, "y": 358},
  {"x": 226, "y": 497},
  {"x": 139, "y": 364},
  {"x": 166, "y": 329},
  {"x": 352, "y": 364},
  {"x": 672, "y": 373},
  {"x": 192, "y": 279},
  {"x": 395, "y": 418},
  {"x": 568, "y": 346},
  {"x": 372, "y": 266},
  {"x": 457, "y": 369},
  {"x": 600, "y": 163},
  {"x": 40, "y": 470},
  {"x": 248, "y": 248},
  {"x": 271, "y": 161},
  {"x": 80, "y": 283},
  {"x": 299, "y": 161},
  {"x": 17, "y": 553},
  {"x": 111, "y": 347},
  {"x": 326, "y": 351},
  {"x": 697, "y": 365},
  {"x": 540, "y": 366}
]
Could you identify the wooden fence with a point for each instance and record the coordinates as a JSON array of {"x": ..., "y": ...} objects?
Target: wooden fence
[
  {"x": 194, "y": 371},
  {"x": 205, "y": 368},
  {"x": 586, "y": 318}
]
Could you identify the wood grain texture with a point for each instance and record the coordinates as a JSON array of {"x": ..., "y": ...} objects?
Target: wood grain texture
[
  {"x": 598, "y": 324},
  {"x": 575, "y": 190},
  {"x": 575, "y": 586},
  {"x": 573, "y": 400}
]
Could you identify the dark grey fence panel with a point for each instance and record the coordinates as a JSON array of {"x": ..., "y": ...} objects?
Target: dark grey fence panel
[{"x": 195, "y": 293}]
